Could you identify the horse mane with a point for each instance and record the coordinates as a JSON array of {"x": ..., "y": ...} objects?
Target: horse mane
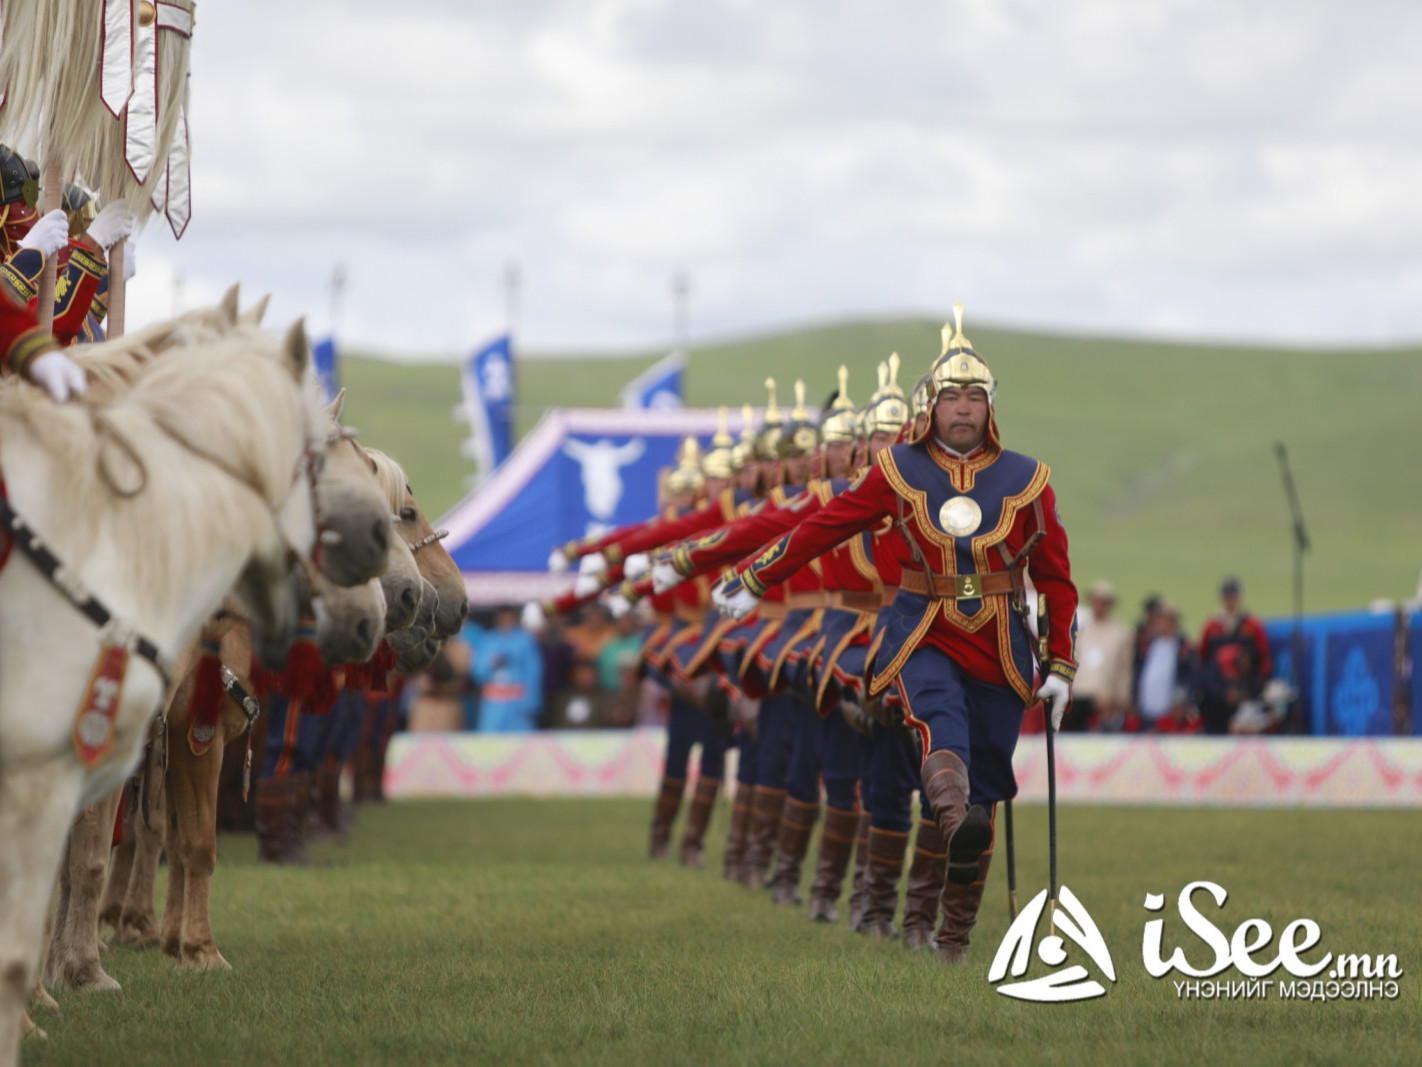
[
  {"x": 230, "y": 397},
  {"x": 391, "y": 477},
  {"x": 113, "y": 367}
]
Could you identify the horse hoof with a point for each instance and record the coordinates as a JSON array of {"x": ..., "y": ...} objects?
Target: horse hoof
[
  {"x": 204, "y": 961},
  {"x": 28, "y": 1029},
  {"x": 93, "y": 979},
  {"x": 42, "y": 1000}
]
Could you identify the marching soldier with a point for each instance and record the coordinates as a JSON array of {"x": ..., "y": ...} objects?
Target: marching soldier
[{"x": 957, "y": 649}]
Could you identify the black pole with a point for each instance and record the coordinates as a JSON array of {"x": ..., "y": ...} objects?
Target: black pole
[
  {"x": 1011, "y": 862},
  {"x": 1301, "y": 545}
]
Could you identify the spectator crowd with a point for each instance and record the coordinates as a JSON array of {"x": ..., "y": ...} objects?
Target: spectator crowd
[{"x": 583, "y": 673}]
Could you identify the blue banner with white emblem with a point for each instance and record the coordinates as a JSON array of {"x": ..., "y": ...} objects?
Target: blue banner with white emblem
[
  {"x": 489, "y": 387},
  {"x": 328, "y": 367},
  {"x": 659, "y": 386}
]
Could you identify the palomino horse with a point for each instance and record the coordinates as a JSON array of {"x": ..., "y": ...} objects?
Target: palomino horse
[
  {"x": 192, "y": 484},
  {"x": 191, "y": 783},
  {"x": 350, "y": 622}
]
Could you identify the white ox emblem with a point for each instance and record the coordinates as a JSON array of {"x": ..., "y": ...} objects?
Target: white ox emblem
[{"x": 602, "y": 464}]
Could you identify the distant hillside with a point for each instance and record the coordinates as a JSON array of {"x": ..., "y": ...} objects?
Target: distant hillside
[{"x": 1162, "y": 455}]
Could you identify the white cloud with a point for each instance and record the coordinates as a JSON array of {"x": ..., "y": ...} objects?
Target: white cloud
[{"x": 1203, "y": 167}]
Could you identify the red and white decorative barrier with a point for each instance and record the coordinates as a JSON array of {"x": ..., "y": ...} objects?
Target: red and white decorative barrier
[{"x": 1091, "y": 769}]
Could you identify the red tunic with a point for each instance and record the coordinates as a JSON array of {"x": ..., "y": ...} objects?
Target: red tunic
[{"x": 975, "y": 643}]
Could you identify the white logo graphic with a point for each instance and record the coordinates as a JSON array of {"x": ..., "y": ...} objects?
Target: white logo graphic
[
  {"x": 664, "y": 400},
  {"x": 1069, "y": 983},
  {"x": 496, "y": 383},
  {"x": 602, "y": 464}
]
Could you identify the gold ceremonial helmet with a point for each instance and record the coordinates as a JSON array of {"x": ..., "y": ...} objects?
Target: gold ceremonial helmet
[
  {"x": 744, "y": 451},
  {"x": 960, "y": 367},
  {"x": 841, "y": 423},
  {"x": 720, "y": 461},
  {"x": 801, "y": 437},
  {"x": 923, "y": 395},
  {"x": 687, "y": 477},
  {"x": 887, "y": 410},
  {"x": 767, "y": 442}
]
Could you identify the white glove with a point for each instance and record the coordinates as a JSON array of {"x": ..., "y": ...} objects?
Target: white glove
[
  {"x": 49, "y": 234},
  {"x": 664, "y": 577},
  {"x": 586, "y": 585},
  {"x": 638, "y": 564},
  {"x": 557, "y": 562},
  {"x": 1056, "y": 691},
  {"x": 130, "y": 261},
  {"x": 593, "y": 564},
  {"x": 618, "y": 604},
  {"x": 534, "y": 620},
  {"x": 111, "y": 225},
  {"x": 738, "y": 605},
  {"x": 59, "y": 375}
]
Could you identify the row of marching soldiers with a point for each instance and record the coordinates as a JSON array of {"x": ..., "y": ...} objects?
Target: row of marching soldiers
[{"x": 819, "y": 666}]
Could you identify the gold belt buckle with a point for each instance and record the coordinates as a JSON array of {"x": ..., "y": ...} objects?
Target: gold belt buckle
[{"x": 967, "y": 586}]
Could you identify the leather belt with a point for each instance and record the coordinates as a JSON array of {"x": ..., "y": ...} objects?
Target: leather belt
[
  {"x": 963, "y": 586},
  {"x": 806, "y": 601},
  {"x": 862, "y": 600},
  {"x": 772, "y": 609},
  {"x": 687, "y": 613}
]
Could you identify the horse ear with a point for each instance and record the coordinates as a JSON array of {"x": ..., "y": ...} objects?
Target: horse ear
[
  {"x": 253, "y": 315},
  {"x": 228, "y": 305},
  {"x": 296, "y": 350},
  {"x": 336, "y": 406}
]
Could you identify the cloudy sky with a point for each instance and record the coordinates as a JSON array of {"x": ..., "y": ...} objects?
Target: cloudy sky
[{"x": 1182, "y": 168}]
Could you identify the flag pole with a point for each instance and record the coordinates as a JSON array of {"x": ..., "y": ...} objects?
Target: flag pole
[{"x": 53, "y": 198}]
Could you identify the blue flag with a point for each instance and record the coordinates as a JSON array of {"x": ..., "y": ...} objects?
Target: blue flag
[
  {"x": 488, "y": 384},
  {"x": 328, "y": 367},
  {"x": 659, "y": 386}
]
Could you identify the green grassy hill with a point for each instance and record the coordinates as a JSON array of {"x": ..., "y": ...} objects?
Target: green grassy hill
[{"x": 1162, "y": 455}]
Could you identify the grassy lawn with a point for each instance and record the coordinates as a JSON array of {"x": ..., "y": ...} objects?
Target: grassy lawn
[
  {"x": 1162, "y": 455},
  {"x": 537, "y": 932}
]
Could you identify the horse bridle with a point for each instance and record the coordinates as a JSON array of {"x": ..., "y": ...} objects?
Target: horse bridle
[{"x": 425, "y": 542}]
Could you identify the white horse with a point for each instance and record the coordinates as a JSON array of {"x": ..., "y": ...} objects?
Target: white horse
[{"x": 191, "y": 485}]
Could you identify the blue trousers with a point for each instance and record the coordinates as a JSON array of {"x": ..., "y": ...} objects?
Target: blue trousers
[
  {"x": 777, "y": 735},
  {"x": 977, "y": 721},
  {"x": 805, "y": 758},
  {"x": 747, "y": 766},
  {"x": 841, "y": 752},
  {"x": 688, "y": 726},
  {"x": 893, "y": 777}
]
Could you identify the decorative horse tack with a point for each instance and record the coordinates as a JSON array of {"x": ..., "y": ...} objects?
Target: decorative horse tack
[{"x": 425, "y": 542}]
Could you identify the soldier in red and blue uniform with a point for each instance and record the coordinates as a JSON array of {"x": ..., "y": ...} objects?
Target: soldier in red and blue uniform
[{"x": 977, "y": 519}]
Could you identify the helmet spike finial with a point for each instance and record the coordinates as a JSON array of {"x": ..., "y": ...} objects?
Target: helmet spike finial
[
  {"x": 883, "y": 376},
  {"x": 894, "y": 369}
]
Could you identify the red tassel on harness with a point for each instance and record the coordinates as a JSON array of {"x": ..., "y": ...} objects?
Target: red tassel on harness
[
  {"x": 306, "y": 678},
  {"x": 205, "y": 707}
]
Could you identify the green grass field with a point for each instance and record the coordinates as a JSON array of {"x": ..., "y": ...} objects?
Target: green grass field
[
  {"x": 1163, "y": 455},
  {"x": 537, "y": 932}
]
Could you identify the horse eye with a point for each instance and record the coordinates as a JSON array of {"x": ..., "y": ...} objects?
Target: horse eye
[{"x": 408, "y": 515}]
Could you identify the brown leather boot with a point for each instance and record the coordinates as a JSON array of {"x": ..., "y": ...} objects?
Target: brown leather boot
[
  {"x": 698, "y": 816},
  {"x": 360, "y": 772},
  {"x": 330, "y": 815},
  {"x": 881, "y": 881},
  {"x": 966, "y": 829},
  {"x": 736, "y": 839},
  {"x": 857, "y": 899},
  {"x": 282, "y": 801},
  {"x": 664, "y": 814},
  {"x": 925, "y": 884},
  {"x": 796, "y": 825},
  {"x": 836, "y": 845},
  {"x": 960, "y": 911},
  {"x": 766, "y": 807}
]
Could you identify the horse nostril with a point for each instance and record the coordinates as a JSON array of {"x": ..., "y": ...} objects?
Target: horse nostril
[
  {"x": 408, "y": 601},
  {"x": 363, "y": 631},
  {"x": 380, "y": 532},
  {"x": 463, "y": 610}
]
